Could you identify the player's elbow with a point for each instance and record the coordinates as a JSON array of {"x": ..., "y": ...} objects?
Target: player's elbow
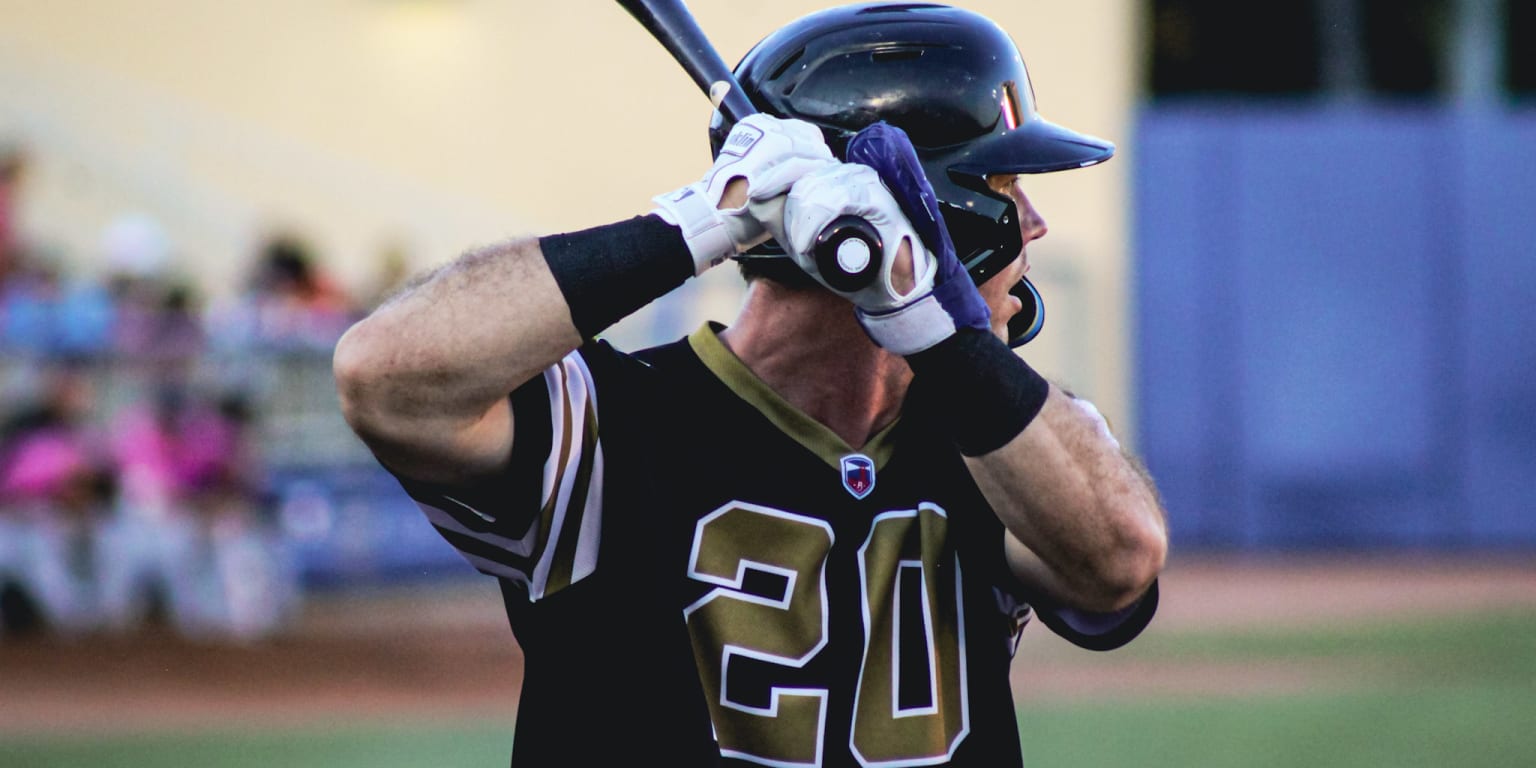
[
  {"x": 359, "y": 366},
  {"x": 1127, "y": 569}
]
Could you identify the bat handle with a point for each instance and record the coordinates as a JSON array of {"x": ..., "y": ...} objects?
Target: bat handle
[{"x": 848, "y": 253}]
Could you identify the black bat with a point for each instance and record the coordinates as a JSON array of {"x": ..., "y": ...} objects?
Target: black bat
[
  {"x": 672, "y": 24},
  {"x": 847, "y": 251}
]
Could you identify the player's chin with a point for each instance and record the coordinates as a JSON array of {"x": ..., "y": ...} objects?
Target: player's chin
[{"x": 1000, "y": 319}]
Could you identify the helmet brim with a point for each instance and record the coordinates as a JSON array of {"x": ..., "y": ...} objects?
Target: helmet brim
[{"x": 1037, "y": 146}]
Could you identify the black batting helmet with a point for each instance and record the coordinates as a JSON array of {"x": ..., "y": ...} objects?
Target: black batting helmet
[{"x": 952, "y": 79}]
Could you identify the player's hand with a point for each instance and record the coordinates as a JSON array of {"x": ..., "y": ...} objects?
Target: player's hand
[
  {"x": 884, "y": 184},
  {"x": 850, "y": 189},
  {"x": 769, "y": 154}
]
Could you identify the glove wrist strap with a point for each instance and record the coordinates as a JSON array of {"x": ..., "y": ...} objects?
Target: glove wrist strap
[{"x": 703, "y": 227}]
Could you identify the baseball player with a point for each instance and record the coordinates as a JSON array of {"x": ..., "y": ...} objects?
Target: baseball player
[{"x": 810, "y": 537}]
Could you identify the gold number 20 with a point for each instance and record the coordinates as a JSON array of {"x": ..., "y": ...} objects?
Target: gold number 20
[{"x": 913, "y": 626}]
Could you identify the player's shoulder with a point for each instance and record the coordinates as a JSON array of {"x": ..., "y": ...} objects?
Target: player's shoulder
[
  {"x": 603, "y": 354},
  {"x": 678, "y": 353},
  {"x": 609, "y": 368}
]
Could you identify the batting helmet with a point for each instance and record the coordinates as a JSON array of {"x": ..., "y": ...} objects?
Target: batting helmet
[{"x": 953, "y": 80}]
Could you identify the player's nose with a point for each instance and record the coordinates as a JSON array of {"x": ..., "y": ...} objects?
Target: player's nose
[{"x": 1031, "y": 224}]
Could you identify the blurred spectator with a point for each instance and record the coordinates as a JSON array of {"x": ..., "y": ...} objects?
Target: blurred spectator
[
  {"x": 135, "y": 245},
  {"x": 156, "y": 319},
  {"x": 257, "y": 585},
  {"x": 149, "y": 547},
  {"x": 189, "y": 526},
  {"x": 156, "y": 316},
  {"x": 151, "y": 502},
  {"x": 26, "y": 306},
  {"x": 290, "y": 303},
  {"x": 42, "y": 314},
  {"x": 53, "y": 488},
  {"x": 12, "y": 167}
]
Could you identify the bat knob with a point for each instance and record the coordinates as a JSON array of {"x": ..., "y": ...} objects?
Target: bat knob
[{"x": 848, "y": 253}]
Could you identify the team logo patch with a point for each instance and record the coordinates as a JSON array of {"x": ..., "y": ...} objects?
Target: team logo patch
[{"x": 858, "y": 474}]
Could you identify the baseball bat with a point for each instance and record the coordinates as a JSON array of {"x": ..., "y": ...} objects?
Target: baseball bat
[{"x": 848, "y": 251}]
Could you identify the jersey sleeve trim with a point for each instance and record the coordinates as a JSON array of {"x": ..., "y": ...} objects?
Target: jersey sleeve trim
[
  {"x": 494, "y": 543},
  {"x": 571, "y": 513},
  {"x": 540, "y": 526},
  {"x": 1101, "y": 631}
]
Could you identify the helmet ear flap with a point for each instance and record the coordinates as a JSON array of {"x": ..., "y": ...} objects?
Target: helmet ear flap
[{"x": 1026, "y": 325}]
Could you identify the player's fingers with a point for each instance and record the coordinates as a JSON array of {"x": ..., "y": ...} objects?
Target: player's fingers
[
  {"x": 735, "y": 195},
  {"x": 777, "y": 179},
  {"x": 903, "y": 279},
  {"x": 818, "y": 198},
  {"x": 807, "y": 139}
]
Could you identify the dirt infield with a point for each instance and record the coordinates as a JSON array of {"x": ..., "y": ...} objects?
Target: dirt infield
[{"x": 446, "y": 653}]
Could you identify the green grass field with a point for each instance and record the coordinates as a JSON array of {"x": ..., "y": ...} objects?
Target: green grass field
[
  {"x": 1456, "y": 693},
  {"x": 1449, "y": 693}
]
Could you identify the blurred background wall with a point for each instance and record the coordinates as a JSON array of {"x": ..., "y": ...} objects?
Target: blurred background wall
[
  {"x": 1335, "y": 271},
  {"x": 1300, "y": 289}
]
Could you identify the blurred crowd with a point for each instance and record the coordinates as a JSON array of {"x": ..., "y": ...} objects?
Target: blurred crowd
[{"x": 132, "y": 485}]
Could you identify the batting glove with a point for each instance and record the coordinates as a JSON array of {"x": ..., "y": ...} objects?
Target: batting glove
[
  {"x": 771, "y": 154},
  {"x": 884, "y": 184}
]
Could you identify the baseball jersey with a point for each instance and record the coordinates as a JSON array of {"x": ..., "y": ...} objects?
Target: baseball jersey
[{"x": 696, "y": 570}]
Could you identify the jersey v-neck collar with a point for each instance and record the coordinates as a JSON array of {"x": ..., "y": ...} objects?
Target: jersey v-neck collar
[{"x": 808, "y": 432}]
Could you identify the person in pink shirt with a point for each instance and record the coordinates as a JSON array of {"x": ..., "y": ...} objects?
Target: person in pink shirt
[
  {"x": 187, "y": 521},
  {"x": 53, "y": 488}
]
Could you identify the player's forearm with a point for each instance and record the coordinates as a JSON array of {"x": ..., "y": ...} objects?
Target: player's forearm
[
  {"x": 424, "y": 379},
  {"x": 422, "y": 373},
  {"x": 1086, "y": 520},
  {"x": 1088, "y": 525}
]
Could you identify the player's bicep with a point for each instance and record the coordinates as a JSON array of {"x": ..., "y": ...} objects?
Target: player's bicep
[{"x": 460, "y": 454}]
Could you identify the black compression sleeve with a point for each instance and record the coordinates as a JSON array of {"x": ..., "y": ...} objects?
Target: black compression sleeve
[
  {"x": 979, "y": 389},
  {"x": 610, "y": 271}
]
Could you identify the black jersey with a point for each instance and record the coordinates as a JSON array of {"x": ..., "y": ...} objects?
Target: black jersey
[{"x": 694, "y": 568}]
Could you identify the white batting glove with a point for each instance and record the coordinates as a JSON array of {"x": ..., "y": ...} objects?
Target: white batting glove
[
  {"x": 771, "y": 154},
  {"x": 852, "y": 189}
]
